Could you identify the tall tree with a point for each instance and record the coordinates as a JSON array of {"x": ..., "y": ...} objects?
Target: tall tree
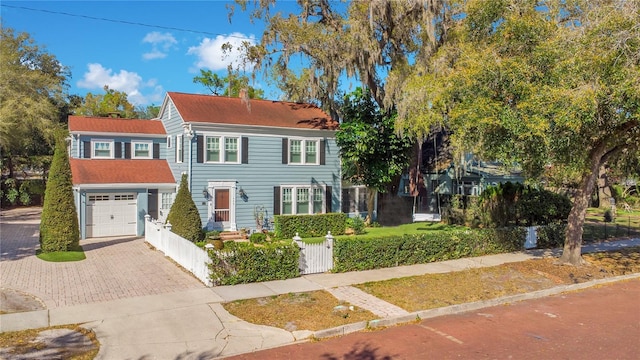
[
  {"x": 59, "y": 230},
  {"x": 544, "y": 86},
  {"x": 111, "y": 103},
  {"x": 362, "y": 39},
  {"x": 231, "y": 85},
  {"x": 32, "y": 83},
  {"x": 372, "y": 152},
  {"x": 147, "y": 112}
]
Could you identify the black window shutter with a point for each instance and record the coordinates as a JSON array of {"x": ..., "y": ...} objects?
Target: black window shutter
[
  {"x": 285, "y": 150},
  {"x": 127, "y": 150},
  {"x": 200, "y": 142},
  {"x": 156, "y": 151},
  {"x": 245, "y": 150},
  {"x": 276, "y": 200},
  {"x": 345, "y": 201},
  {"x": 86, "y": 153},
  {"x": 117, "y": 150},
  {"x": 322, "y": 152},
  {"x": 329, "y": 197}
]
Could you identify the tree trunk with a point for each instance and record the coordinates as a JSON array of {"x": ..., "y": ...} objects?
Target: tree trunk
[
  {"x": 604, "y": 191},
  {"x": 572, "y": 253},
  {"x": 371, "y": 203}
]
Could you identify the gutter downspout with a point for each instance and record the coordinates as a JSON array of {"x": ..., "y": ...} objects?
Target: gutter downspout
[{"x": 188, "y": 131}]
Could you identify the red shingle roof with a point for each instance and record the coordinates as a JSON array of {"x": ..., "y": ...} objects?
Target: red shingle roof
[
  {"x": 111, "y": 125},
  {"x": 227, "y": 110},
  {"x": 120, "y": 171}
]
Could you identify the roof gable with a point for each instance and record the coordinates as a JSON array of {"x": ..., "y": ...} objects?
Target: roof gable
[
  {"x": 237, "y": 111},
  {"x": 90, "y": 124}
]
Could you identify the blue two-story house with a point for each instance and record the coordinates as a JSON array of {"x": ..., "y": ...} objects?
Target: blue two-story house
[
  {"x": 245, "y": 160},
  {"x": 248, "y": 160}
]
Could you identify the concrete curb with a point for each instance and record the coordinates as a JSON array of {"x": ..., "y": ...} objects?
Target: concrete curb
[{"x": 462, "y": 308}]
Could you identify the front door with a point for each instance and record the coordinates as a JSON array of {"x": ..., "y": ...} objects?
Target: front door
[{"x": 221, "y": 206}]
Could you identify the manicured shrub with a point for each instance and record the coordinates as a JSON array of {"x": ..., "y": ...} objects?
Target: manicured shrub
[
  {"x": 354, "y": 254},
  {"x": 258, "y": 238},
  {"x": 356, "y": 224},
  {"x": 286, "y": 226},
  {"x": 551, "y": 235},
  {"x": 184, "y": 216},
  {"x": 241, "y": 263},
  {"x": 608, "y": 215},
  {"x": 59, "y": 229}
]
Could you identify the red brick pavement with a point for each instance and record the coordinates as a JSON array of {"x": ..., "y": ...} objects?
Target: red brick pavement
[
  {"x": 115, "y": 268},
  {"x": 596, "y": 323}
]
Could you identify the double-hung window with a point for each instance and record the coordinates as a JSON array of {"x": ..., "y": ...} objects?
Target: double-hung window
[
  {"x": 222, "y": 149},
  {"x": 213, "y": 149},
  {"x": 179, "y": 149},
  {"x": 231, "y": 150},
  {"x": 304, "y": 152},
  {"x": 302, "y": 200},
  {"x": 102, "y": 149},
  {"x": 141, "y": 149}
]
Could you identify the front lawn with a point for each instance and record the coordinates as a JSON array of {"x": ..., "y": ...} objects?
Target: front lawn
[{"x": 625, "y": 224}]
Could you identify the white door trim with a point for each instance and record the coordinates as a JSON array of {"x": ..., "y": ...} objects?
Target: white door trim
[{"x": 231, "y": 185}]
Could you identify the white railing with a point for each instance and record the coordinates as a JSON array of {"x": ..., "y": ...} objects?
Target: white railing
[
  {"x": 315, "y": 258},
  {"x": 182, "y": 251}
]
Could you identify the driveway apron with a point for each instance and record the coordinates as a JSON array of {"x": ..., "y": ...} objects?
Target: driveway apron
[{"x": 115, "y": 267}]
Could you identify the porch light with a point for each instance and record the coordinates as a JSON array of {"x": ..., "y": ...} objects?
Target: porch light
[{"x": 205, "y": 193}]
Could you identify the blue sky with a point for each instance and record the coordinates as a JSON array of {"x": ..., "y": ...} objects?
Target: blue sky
[{"x": 136, "y": 46}]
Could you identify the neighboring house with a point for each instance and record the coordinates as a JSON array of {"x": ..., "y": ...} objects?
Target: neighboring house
[
  {"x": 248, "y": 160},
  {"x": 471, "y": 178},
  {"x": 119, "y": 174},
  {"x": 354, "y": 201}
]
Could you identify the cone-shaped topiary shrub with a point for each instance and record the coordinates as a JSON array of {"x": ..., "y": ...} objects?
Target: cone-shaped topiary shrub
[
  {"x": 59, "y": 230},
  {"x": 183, "y": 216}
]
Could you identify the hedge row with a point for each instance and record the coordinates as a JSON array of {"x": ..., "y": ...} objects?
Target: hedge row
[
  {"x": 353, "y": 254},
  {"x": 241, "y": 263},
  {"x": 286, "y": 226},
  {"x": 552, "y": 235}
]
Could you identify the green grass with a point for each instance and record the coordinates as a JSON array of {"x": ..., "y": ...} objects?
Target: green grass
[
  {"x": 412, "y": 228},
  {"x": 625, "y": 224},
  {"x": 62, "y": 256}
]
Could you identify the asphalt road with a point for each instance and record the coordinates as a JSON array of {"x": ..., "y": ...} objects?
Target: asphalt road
[{"x": 597, "y": 323}]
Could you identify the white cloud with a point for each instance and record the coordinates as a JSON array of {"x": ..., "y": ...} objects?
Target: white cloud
[
  {"x": 210, "y": 54},
  {"x": 128, "y": 82},
  {"x": 160, "y": 45}
]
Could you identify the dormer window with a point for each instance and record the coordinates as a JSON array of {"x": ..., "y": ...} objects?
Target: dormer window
[
  {"x": 102, "y": 149},
  {"x": 141, "y": 149}
]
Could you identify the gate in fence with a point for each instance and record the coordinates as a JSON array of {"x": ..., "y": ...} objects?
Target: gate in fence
[{"x": 315, "y": 258}]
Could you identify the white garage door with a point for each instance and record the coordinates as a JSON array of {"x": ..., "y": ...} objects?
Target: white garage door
[{"x": 111, "y": 215}]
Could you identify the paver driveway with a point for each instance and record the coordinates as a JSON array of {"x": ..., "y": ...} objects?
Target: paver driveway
[{"x": 115, "y": 267}]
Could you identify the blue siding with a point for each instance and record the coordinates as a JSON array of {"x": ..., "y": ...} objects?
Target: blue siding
[{"x": 263, "y": 172}]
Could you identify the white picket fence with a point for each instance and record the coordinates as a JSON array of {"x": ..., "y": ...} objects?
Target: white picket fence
[
  {"x": 182, "y": 251},
  {"x": 315, "y": 258}
]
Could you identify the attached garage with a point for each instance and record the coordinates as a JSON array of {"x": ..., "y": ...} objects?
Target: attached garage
[{"x": 111, "y": 214}]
